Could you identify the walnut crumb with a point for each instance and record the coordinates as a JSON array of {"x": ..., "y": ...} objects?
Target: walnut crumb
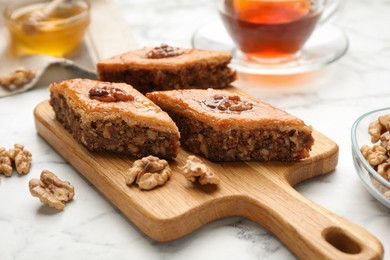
[
  {"x": 17, "y": 79},
  {"x": 163, "y": 51},
  {"x": 51, "y": 190},
  {"x": 148, "y": 173},
  {"x": 195, "y": 169}
]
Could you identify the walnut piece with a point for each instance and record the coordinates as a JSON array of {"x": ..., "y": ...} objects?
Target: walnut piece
[
  {"x": 21, "y": 157},
  {"x": 378, "y": 156},
  {"x": 385, "y": 142},
  {"x": 149, "y": 172},
  {"x": 17, "y": 79},
  {"x": 109, "y": 94},
  {"x": 385, "y": 121},
  {"x": 195, "y": 169},
  {"x": 384, "y": 169},
  {"x": 374, "y": 155},
  {"x": 226, "y": 104},
  {"x": 51, "y": 190},
  {"x": 163, "y": 51},
  {"x": 375, "y": 129},
  {"x": 5, "y": 162}
]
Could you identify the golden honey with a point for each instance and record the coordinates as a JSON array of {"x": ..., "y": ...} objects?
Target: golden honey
[{"x": 58, "y": 35}]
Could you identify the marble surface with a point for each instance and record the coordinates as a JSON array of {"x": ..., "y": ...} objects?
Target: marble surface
[{"x": 329, "y": 100}]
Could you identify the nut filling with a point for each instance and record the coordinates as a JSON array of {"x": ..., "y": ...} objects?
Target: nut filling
[
  {"x": 51, "y": 190},
  {"x": 227, "y": 104},
  {"x": 163, "y": 51},
  {"x": 242, "y": 145},
  {"x": 109, "y": 94},
  {"x": 148, "y": 173}
]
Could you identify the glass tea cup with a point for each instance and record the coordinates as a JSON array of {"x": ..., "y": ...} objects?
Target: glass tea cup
[
  {"x": 270, "y": 31},
  {"x": 59, "y": 34}
]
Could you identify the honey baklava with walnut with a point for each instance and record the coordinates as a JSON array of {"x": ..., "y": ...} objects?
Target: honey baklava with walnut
[
  {"x": 166, "y": 68},
  {"x": 114, "y": 117},
  {"x": 225, "y": 126}
]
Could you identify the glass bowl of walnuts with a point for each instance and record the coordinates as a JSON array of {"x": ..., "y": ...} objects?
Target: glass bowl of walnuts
[{"x": 371, "y": 152}]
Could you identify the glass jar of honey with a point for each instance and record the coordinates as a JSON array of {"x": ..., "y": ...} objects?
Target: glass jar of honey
[{"x": 59, "y": 33}]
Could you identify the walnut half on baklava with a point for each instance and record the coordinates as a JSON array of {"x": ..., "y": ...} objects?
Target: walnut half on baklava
[
  {"x": 114, "y": 117},
  {"x": 225, "y": 126}
]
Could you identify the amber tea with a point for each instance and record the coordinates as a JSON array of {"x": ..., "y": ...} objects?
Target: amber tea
[{"x": 270, "y": 29}]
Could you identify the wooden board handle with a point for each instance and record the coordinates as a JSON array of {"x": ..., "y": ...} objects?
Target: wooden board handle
[{"x": 310, "y": 231}]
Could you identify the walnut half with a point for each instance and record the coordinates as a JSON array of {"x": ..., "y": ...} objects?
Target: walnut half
[
  {"x": 51, "y": 190},
  {"x": 375, "y": 155},
  {"x": 21, "y": 157},
  {"x": 17, "y": 156},
  {"x": 5, "y": 162},
  {"x": 196, "y": 169},
  {"x": 109, "y": 94},
  {"x": 148, "y": 173},
  {"x": 17, "y": 79},
  {"x": 227, "y": 104},
  {"x": 163, "y": 51}
]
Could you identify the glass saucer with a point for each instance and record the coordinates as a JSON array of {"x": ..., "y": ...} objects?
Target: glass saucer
[{"x": 327, "y": 44}]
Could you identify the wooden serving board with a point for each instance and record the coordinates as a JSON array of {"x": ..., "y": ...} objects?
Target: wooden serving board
[{"x": 259, "y": 191}]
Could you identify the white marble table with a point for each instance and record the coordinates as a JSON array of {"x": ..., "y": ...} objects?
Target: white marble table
[{"x": 330, "y": 100}]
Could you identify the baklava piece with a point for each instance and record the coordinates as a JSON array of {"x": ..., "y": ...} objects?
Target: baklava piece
[
  {"x": 225, "y": 126},
  {"x": 167, "y": 68},
  {"x": 114, "y": 117}
]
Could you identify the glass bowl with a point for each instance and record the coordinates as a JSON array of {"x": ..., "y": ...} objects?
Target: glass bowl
[
  {"x": 59, "y": 33},
  {"x": 375, "y": 184}
]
